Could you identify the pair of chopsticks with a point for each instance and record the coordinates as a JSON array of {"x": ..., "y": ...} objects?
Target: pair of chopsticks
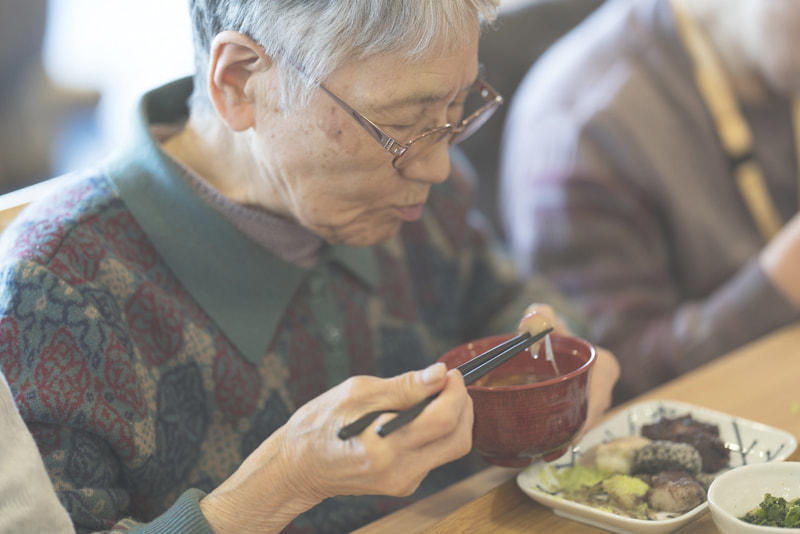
[{"x": 472, "y": 371}]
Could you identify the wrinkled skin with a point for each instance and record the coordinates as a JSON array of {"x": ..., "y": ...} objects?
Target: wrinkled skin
[{"x": 307, "y": 454}]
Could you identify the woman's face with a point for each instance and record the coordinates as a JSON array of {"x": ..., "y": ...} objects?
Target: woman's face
[
  {"x": 324, "y": 170},
  {"x": 772, "y": 38}
]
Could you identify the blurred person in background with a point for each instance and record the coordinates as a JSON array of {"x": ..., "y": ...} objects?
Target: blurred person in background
[
  {"x": 524, "y": 30},
  {"x": 186, "y": 327},
  {"x": 650, "y": 169}
]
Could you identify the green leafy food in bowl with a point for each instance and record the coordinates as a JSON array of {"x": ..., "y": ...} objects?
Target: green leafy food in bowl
[{"x": 775, "y": 512}]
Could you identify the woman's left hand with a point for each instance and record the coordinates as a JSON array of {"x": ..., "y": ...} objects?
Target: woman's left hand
[{"x": 604, "y": 374}]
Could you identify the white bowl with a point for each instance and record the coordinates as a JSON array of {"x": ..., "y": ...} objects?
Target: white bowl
[{"x": 736, "y": 492}]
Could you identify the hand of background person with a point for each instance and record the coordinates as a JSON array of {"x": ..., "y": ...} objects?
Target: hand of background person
[
  {"x": 604, "y": 374},
  {"x": 304, "y": 461},
  {"x": 780, "y": 260}
]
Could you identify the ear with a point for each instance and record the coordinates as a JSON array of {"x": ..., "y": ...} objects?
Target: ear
[{"x": 234, "y": 62}]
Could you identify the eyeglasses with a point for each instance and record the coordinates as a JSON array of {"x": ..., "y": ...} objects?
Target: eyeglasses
[{"x": 423, "y": 143}]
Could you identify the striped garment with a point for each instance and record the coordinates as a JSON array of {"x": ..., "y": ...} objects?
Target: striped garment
[{"x": 616, "y": 188}]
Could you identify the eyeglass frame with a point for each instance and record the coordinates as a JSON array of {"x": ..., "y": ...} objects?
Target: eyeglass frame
[{"x": 492, "y": 101}]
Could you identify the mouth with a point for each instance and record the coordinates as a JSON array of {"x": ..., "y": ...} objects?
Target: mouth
[{"x": 411, "y": 212}]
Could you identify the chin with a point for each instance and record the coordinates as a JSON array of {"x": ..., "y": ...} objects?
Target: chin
[
  {"x": 363, "y": 233},
  {"x": 374, "y": 236}
]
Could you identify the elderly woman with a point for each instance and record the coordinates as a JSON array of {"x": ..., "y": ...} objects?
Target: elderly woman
[{"x": 181, "y": 327}]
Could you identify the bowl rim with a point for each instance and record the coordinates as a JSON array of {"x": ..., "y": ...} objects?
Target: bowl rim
[{"x": 584, "y": 368}]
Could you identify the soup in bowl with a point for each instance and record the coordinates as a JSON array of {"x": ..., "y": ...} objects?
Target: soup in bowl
[{"x": 528, "y": 408}]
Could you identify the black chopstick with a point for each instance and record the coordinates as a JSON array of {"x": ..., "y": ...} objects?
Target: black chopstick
[
  {"x": 480, "y": 359},
  {"x": 358, "y": 426},
  {"x": 488, "y": 365}
]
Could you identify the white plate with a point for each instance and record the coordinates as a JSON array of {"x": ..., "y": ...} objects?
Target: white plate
[{"x": 749, "y": 443}]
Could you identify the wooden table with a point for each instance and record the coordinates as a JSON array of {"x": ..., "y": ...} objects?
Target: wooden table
[{"x": 760, "y": 382}]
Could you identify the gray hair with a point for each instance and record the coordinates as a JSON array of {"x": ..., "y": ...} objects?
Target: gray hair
[{"x": 319, "y": 36}]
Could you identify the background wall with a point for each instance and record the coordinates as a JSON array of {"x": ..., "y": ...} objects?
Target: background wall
[
  {"x": 72, "y": 71},
  {"x": 120, "y": 48}
]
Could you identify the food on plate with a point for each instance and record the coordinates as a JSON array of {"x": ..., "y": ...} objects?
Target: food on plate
[
  {"x": 643, "y": 476},
  {"x": 615, "y": 456},
  {"x": 579, "y": 476},
  {"x": 619, "y": 494},
  {"x": 702, "y": 436},
  {"x": 660, "y": 456},
  {"x": 775, "y": 512},
  {"x": 705, "y": 479},
  {"x": 674, "y": 491},
  {"x": 626, "y": 492}
]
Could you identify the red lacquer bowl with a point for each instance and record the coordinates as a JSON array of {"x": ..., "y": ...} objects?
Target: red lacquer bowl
[{"x": 515, "y": 425}]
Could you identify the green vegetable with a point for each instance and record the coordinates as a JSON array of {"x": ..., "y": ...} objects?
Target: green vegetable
[
  {"x": 578, "y": 476},
  {"x": 775, "y": 512},
  {"x": 616, "y": 494},
  {"x": 626, "y": 491}
]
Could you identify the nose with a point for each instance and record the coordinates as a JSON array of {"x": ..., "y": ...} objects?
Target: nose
[{"x": 431, "y": 168}]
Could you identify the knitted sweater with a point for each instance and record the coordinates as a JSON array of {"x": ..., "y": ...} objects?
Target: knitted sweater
[{"x": 151, "y": 345}]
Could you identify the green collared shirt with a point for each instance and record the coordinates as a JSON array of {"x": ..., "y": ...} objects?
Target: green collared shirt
[{"x": 243, "y": 287}]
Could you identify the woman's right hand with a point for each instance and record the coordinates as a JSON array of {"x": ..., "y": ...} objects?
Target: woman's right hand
[{"x": 304, "y": 461}]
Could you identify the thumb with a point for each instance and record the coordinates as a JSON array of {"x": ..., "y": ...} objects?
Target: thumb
[{"x": 409, "y": 388}]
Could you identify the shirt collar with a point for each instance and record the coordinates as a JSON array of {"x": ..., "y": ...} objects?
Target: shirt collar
[{"x": 243, "y": 287}]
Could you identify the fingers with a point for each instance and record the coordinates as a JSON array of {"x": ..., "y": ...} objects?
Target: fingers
[
  {"x": 322, "y": 465},
  {"x": 399, "y": 461},
  {"x": 538, "y": 317},
  {"x": 604, "y": 376},
  {"x": 437, "y": 419},
  {"x": 409, "y": 388},
  {"x": 367, "y": 394},
  {"x": 441, "y": 434}
]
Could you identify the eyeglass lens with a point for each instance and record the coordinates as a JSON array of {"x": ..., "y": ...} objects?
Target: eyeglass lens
[{"x": 476, "y": 110}]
